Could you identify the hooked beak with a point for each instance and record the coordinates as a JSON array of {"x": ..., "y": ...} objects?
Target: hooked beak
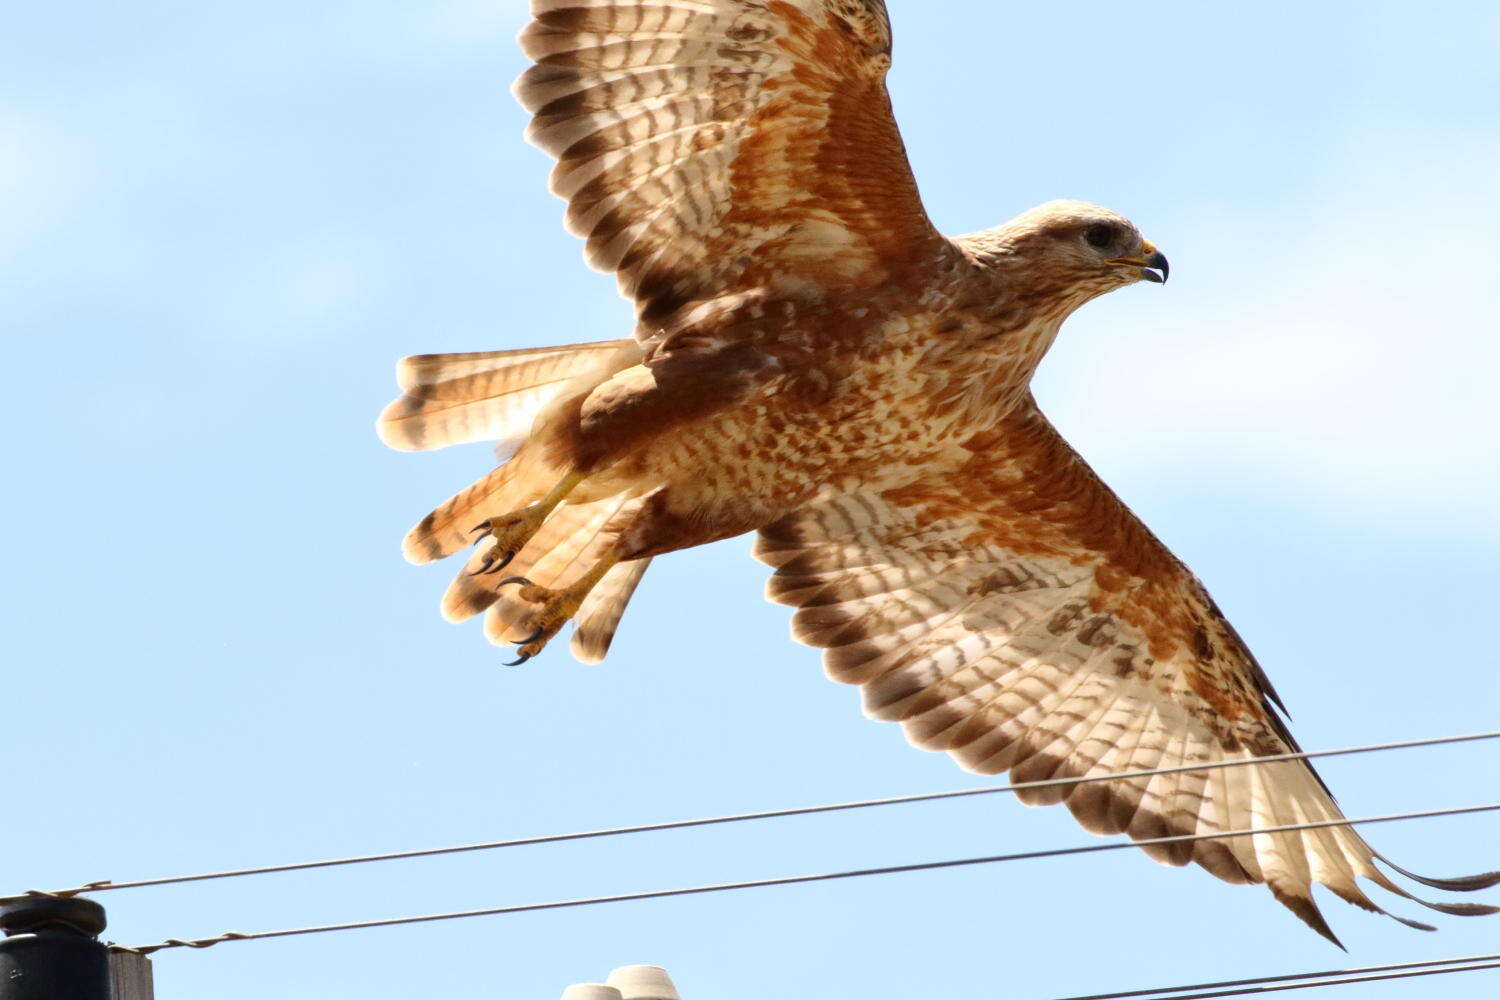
[{"x": 1153, "y": 265}]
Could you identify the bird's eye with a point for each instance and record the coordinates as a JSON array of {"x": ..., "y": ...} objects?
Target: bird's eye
[{"x": 1100, "y": 235}]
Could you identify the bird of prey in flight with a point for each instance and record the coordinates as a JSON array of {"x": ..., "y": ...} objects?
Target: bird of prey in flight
[{"x": 812, "y": 360}]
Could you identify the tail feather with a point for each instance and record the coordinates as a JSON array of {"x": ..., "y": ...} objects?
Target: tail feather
[
  {"x": 555, "y": 564},
  {"x": 452, "y": 525},
  {"x": 560, "y": 536},
  {"x": 511, "y": 396},
  {"x": 599, "y": 617},
  {"x": 421, "y": 374},
  {"x": 453, "y": 398},
  {"x": 488, "y": 396}
]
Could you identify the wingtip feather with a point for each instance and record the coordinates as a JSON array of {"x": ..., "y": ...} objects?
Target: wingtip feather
[{"x": 1460, "y": 883}]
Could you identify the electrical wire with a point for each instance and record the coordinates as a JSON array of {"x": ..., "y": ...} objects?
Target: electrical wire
[
  {"x": 798, "y": 880},
  {"x": 1163, "y": 992},
  {"x": 106, "y": 885},
  {"x": 1258, "y": 990}
]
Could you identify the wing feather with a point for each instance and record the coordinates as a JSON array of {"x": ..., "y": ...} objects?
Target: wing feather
[
  {"x": 707, "y": 147},
  {"x": 1012, "y": 612}
]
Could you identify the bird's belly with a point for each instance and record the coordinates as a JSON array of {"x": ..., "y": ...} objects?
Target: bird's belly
[{"x": 739, "y": 470}]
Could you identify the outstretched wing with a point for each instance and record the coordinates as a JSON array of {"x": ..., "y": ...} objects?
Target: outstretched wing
[
  {"x": 713, "y": 146},
  {"x": 1015, "y": 614}
]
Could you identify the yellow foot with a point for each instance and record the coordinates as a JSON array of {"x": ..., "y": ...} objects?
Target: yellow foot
[
  {"x": 555, "y": 608},
  {"x": 512, "y": 531}
]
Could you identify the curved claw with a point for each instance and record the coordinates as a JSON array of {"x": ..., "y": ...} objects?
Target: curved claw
[
  {"x": 493, "y": 565},
  {"x": 489, "y": 569},
  {"x": 480, "y": 528},
  {"x": 519, "y": 660},
  {"x": 533, "y": 637}
]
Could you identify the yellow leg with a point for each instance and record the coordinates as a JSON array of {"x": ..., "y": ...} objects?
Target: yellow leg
[
  {"x": 512, "y": 531},
  {"x": 557, "y": 607}
]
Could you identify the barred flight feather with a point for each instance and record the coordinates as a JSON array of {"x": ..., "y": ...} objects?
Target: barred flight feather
[
  {"x": 1061, "y": 640},
  {"x": 571, "y": 540},
  {"x": 710, "y": 145},
  {"x": 599, "y": 617},
  {"x": 491, "y": 396},
  {"x": 473, "y": 590},
  {"x": 451, "y": 526}
]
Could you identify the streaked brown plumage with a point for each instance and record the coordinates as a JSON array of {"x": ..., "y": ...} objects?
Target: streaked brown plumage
[{"x": 814, "y": 361}]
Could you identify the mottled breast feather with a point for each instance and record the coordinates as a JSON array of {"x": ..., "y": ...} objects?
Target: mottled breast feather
[
  {"x": 1011, "y": 611},
  {"x": 706, "y": 147}
]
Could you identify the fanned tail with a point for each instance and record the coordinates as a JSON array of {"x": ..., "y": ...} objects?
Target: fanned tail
[{"x": 518, "y": 398}]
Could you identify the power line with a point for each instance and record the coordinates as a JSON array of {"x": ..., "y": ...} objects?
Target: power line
[
  {"x": 1163, "y": 991},
  {"x": 105, "y": 885},
  {"x": 798, "y": 880},
  {"x": 1346, "y": 981}
]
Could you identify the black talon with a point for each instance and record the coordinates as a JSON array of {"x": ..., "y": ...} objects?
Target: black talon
[
  {"x": 482, "y": 527},
  {"x": 514, "y": 579},
  {"x": 533, "y": 637},
  {"x": 497, "y": 567},
  {"x": 488, "y": 562},
  {"x": 517, "y": 662}
]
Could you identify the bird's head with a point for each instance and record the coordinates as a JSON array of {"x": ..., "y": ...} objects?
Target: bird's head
[{"x": 1078, "y": 250}]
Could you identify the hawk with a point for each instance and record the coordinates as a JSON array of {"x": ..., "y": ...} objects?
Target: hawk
[{"x": 812, "y": 360}]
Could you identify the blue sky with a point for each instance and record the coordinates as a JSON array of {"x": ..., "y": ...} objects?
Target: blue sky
[{"x": 222, "y": 225}]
